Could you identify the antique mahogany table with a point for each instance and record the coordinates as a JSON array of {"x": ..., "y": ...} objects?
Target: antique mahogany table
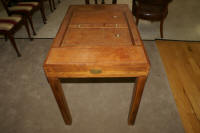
[{"x": 97, "y": 41}]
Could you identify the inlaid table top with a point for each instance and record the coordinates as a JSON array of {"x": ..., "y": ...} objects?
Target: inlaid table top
[{"x": 97, "y": 41}]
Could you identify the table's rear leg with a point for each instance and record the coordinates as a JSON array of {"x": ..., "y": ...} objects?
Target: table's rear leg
[
  {"x": 60, "y": 98},
  {"x": 137, "y": 94}
]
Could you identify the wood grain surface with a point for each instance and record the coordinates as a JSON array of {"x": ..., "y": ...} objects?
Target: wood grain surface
[{"x": 182, "y": 64}]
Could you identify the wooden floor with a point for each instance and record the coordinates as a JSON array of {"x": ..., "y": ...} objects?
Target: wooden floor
[{"x": 182, "y": 65}]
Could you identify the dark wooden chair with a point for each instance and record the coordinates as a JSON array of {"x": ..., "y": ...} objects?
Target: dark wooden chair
[
  {"x": 26, "y": 9},
  {"x": 152, "y": 10},
  {"x": 8, "y": 27},
  {"x": 102, "y": 1},
  {"x": 42, "y": 3}
]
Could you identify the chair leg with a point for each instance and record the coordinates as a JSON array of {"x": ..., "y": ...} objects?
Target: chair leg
[
  {"x": 137, "y": 21},
  {"x": 50, "y": 4},
  {"x": 134, "y": 7},
  {"x": 6, "y": 38},
  {"x": 12, "y": 40},
  {"x": 31, "y": 23},
  {"x": 42, "y": 12},
  {"x": 87, "y": 2},
  {"x": 114, "y": 2},
  {"x": 96, "y": 2},
  {"x": 58, "y": 1},
  {"x": 27, "y": 29},
  {"x": 161, "y": 28},
  {"x": 53, "y": 2}
]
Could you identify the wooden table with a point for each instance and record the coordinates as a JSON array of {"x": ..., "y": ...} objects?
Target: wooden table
[{"x": 97, "y": 41}]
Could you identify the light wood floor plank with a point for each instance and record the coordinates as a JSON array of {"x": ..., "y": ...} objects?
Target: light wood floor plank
[{"x": 182, "y": 65}]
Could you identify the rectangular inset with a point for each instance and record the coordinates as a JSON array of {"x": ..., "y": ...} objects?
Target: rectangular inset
[
  {"x": 98, "y": 17},
  {"x": 97, "y": 36}
]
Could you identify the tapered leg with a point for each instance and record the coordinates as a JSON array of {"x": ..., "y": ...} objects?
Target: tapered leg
[
  {"x": 31, "y": 23},
  {"x": 6, "y": 38},
  {"x": 53, "y": 2},
  {"x": 87, "y": 2},
  {"x": 60, "y": 98},
  {"x": 133, "y": 7},
  {"x": 102, "y": 2},
  {"x": 27, "y": 29},
  {"x": 12, "y": 40},
  {"x": 137, "y": 94},
  {"x": 50, "y": 4},
  {"x": 96, "y": 2},
  {"x": 161, "y": 28},
  {"x": 114, "y": 2},
  {"x": 42, "y": 12},
  {"x": 137, "y": 21}
]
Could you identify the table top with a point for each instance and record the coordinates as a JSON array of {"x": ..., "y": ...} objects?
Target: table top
[{"x": 97, "y": 41}]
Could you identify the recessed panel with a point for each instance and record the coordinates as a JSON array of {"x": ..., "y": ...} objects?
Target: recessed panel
[
  {"x": 98, "y": 17},
  {"x": 97, "y": 36}
]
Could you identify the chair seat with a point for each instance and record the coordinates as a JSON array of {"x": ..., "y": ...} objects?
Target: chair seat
[
  {"x": 7, "y": 23},
  {"x": 6, "y": 26},
  {"x": 151, "y": 11},
  {"x": 15, "y": 18},
  {"x": 20, "y": 8},
  {"x": 28, "y": 3}
]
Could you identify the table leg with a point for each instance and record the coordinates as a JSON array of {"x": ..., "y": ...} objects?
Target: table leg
[
  {"x": 137, "y": 94},
  {"x": 60, "y": 98}
]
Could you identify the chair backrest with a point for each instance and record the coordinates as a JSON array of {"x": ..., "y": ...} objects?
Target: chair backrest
[
  {"x": 102, "y": 1},
  {"x": 5, "y": 4}
]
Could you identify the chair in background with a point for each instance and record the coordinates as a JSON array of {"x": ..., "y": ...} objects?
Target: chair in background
[
  {"x": 102, "y": 1},
  {"x": 8, "y": 27},
  {"x": 26, "y": 9},
  {"x": 152, "y": 10},
  {"x": 42, "y": 3}
]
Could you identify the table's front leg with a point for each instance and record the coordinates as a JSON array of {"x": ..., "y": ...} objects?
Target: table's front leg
[
  {"x": 137, "y": 94},
  {"x": 60, "y": 98}
]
